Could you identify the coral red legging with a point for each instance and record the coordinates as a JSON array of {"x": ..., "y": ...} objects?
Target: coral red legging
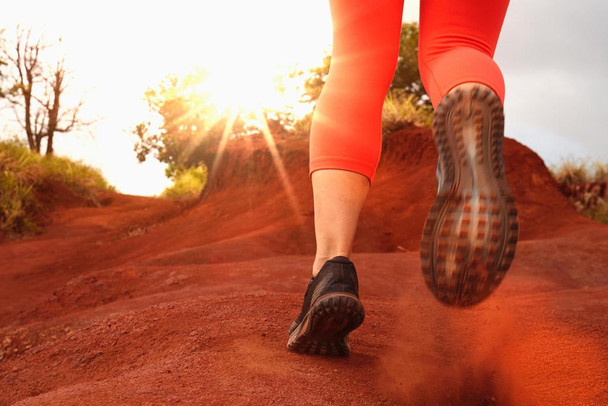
[{"x": 456, "y": 45}]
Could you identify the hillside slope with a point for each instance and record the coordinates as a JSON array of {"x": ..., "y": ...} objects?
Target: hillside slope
[{"x": 147, "y": 301}]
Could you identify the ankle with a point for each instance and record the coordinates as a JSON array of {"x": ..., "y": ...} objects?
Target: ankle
[
  {"x": 318, "y": 264},
  {"x": 321, "y": 259}
]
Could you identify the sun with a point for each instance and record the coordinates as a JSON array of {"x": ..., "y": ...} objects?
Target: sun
[
  {"x": 249, "y": 52},
  {"x": 241, "y": 89},
  {"x": 248, "y": 94},
  {"x": 251, "y": 74},
  {"x": 250, "y": 91}
]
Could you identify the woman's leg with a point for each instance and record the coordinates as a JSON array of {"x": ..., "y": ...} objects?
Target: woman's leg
[
  {"x": 345, "y": 144},
  {"x": 457, "y": 43},
  {"x": 338, "y": 198},
  {"x": 346, "y": 132},
  {"x": 469, "y": 237}
]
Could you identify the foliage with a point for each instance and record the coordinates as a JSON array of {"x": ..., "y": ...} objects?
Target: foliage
[
  {"x": 37, "y": 91},
  {"x": 576, "y": 171},
  {"x": 301, "y": 127},
  {"x": 191, "y": 128},
  {"x": 599, "y": 214},
  {"x": 407, "y": 75},
  {"x": 570, "y": 172},
  {"x": 18, "y": 205},
  {"x": 586, "y": 186},
  {"x": 407, "y": 102},
  {"x": 23, "y": 172},
  {"x": 402, "y": 110},
  {"x": 79, "y": 177},
  {"x": 315, "y": 80},
  {"x": 600, "y": 171},
  {"x": 2, "y": 62},
  {"x": 192, "y": 125},
  {"x": 591, "y": 200},
  {"x": 187, "y": 183}
]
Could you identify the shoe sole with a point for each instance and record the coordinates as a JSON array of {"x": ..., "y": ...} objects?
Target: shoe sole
[
  {"x": 325, "y": 328},
  {"x": 470, "y": 234}
]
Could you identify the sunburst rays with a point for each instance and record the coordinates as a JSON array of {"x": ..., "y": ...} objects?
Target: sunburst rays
[
  {"x": 262, "y": 124},
  {"x": 243, "y": 107}
]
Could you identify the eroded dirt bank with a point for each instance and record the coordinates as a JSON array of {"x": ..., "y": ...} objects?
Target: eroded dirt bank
[{"x": 147, "y": 301}]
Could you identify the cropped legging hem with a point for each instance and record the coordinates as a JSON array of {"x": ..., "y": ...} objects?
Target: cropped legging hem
[
  {"x": 459, "y": 66},
  {"x": 457, "y": 41},
  {"x": 342, "y": 163}
]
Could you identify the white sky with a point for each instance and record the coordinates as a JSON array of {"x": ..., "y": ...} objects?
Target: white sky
[
  {"x": 551, "y": 52},
  {"x": 554, "y": 57}
]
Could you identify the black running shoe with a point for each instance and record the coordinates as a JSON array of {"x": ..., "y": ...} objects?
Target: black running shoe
[
  {"x": 470, "y": 234},
  {"x": 331, "y": 310}
]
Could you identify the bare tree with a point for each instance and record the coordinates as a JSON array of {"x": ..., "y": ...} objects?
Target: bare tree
[
  {"x": 36, "y": 93},
  {"x": 57, "y": 119},
  {"x": 2, "y": 63}
]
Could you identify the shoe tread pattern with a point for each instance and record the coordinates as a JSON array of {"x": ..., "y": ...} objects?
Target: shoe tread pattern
[
  {"x": 470, "y": 234},
  {"x": 325, "y": 328}
]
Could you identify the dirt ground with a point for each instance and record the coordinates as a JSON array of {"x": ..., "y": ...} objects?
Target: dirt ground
[{"x": 147, "y": 301}]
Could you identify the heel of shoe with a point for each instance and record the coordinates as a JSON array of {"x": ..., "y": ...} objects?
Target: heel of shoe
[
  {"x": 325, "y": 328},
  {"x": 469, "y": 238}
]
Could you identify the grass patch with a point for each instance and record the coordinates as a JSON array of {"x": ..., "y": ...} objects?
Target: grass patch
[
  {"x": 599, "y": 214},
  {"x": 572, "y": 171},
  {"x": 585, "y": 184},
  {"x": 187, "y": 184},
  {"x": 23, "y": 172},
  {"x": 402, "y": 110}
]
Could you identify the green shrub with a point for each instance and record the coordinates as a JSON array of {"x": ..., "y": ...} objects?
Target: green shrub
[
  {"x": 22, "y": 172},
  {"x": 402, "y": 110},
  {"x": 17, "y": 204},
  {"x": 301, "y": 127},
  {"x": 571, "y": 171},
  {"x": 600, "y": 214},
  {"x": 584, "y": 182},
  {"x": 600, "y": 171},
  {"x": 187, "y": 184},
  {"x": 75, "y": 174}
]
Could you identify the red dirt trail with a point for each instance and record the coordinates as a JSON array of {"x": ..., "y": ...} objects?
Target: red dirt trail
[{"x": 146, "y": 301}]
